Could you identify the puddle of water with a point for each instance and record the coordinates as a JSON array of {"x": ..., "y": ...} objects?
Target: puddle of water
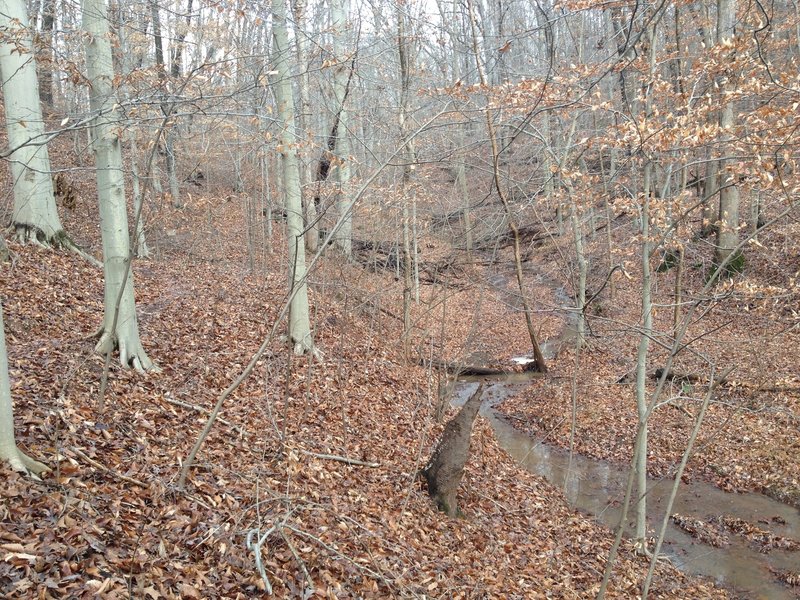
[{"x": 598, "y": 488}]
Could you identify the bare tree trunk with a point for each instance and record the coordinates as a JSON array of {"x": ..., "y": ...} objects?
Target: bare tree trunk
[
  {"x": 647, "y": 315},
  {"x": 9, "y": 452},
  {"x": 728, "y": 231},
  {"x": 307, "y": 172},
  {"x": 46, "y": 67},
  {"x": 538, "y": 357},
  {"x": 120, "y": 326},
  {"x": 299, "y": 323},
  {"x": 140, "y": 245},
  {"x": 580, "y": 299},
  {"x": 340, "y": 10},
  {"x": 405, "y": 154},
  {"x": 445, "y": 468},
  {"x": 641, "y": 378},
  {"x": 35, "y": 217},
  {"x": 166, "y": 108}
]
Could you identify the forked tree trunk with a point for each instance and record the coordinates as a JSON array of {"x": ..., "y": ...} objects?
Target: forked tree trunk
[
  {"x": 35, "y": 217},
  {"x": 120, "y": 326},
  {"x": 299, "y": 324},
  {"x": 446, "y": 466},
  {"x": 8, "y": 446}
]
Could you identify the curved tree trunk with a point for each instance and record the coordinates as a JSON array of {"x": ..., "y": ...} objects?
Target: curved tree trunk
[
  {"x": 299, "y": 324},
  {"x": 8, "y": 447},
  {"x": 120, "y": 327},
  {"x": 35, "y": 217}
]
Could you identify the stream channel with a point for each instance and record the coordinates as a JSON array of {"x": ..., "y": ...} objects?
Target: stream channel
[{"x": 597, "y": 487}]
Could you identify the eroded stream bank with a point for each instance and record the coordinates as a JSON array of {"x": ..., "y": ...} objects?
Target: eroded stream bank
[{"x": 597, "y": 487}]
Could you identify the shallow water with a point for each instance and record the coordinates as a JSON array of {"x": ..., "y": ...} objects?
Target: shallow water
[{"x": 598, "y": 488}]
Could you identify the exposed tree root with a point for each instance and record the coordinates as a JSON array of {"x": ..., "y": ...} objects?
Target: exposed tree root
[
  {"x": 131, "y": 352},
  {"x": 23, "y": 463},
  {"x": 25, "y": 233}
]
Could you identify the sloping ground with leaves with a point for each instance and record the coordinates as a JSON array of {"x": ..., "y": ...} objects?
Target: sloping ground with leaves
[{"x": 308, "y": 486}]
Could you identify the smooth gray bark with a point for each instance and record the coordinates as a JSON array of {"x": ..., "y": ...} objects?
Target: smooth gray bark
[
  {"x": 728, "y": 231},
  {"x": 299, "y": 324},
  {"x": 8, "y": 446},
  {"x": 299, "y": 8},
  {"x": 35, "y": 217},
  {"x": 120, "y": 327},
  {"x": 339, "y": 22}
]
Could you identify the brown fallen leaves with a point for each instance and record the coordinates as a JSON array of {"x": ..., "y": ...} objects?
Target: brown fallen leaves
[{"x": 339, "y": 530}]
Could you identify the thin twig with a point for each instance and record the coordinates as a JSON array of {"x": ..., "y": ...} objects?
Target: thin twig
[
  {"x": 105, "y": 469},
  {"x": 299, "y": 561},
  {"x": 343, "y": 459},
  {"x": 674, "y": 491}
]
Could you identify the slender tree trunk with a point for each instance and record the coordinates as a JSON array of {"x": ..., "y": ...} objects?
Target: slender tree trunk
[
  {"x": 641, "y": 378},
  {"x": 299, "y": 8},
  {"x": 140, "y": 246},
  {"x": 172, "y": 173},
  {"x": 538, "y": 357},
  {"x": 35, "y": 217},
  {"x": 120, "y": 326},
  {"x": 166, "y": 108},
  {"x": 46, "y": 68},
  {"x": 580, "y": 299},
  {"x": 647, "y": 313},
  {"x": 299, "y": 324},
  {"x": 8, "y": 446},
  {"x": 405, "y": 154},
  {"x": 728, "y": 231},
  {"x": 339, "y": 22}
]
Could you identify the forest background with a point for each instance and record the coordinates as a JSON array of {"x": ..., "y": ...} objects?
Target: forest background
[{"x": 332, "y": 213}]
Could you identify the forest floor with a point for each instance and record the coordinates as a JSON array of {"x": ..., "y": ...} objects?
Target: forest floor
[{"x": 108, "y": 520}]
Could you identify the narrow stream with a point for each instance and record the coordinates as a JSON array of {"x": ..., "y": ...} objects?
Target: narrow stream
[{"x": 597, "y": 487}]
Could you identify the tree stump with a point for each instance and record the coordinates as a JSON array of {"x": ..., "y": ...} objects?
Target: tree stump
[{"x": 446, "y": 466}]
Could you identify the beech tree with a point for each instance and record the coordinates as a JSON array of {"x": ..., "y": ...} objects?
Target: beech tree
[
  {"x": 341, "y": 86},
  {"x": 728, "y": 230},
  {"x": 299, "y": 324},
  {"x": 9, "y": 452},
  {"x": 120, "y": 328},
  {"x": 35, "y": 217}
]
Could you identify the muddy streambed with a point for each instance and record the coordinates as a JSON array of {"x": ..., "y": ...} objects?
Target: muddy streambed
[{"x": 598, "y": 488}]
